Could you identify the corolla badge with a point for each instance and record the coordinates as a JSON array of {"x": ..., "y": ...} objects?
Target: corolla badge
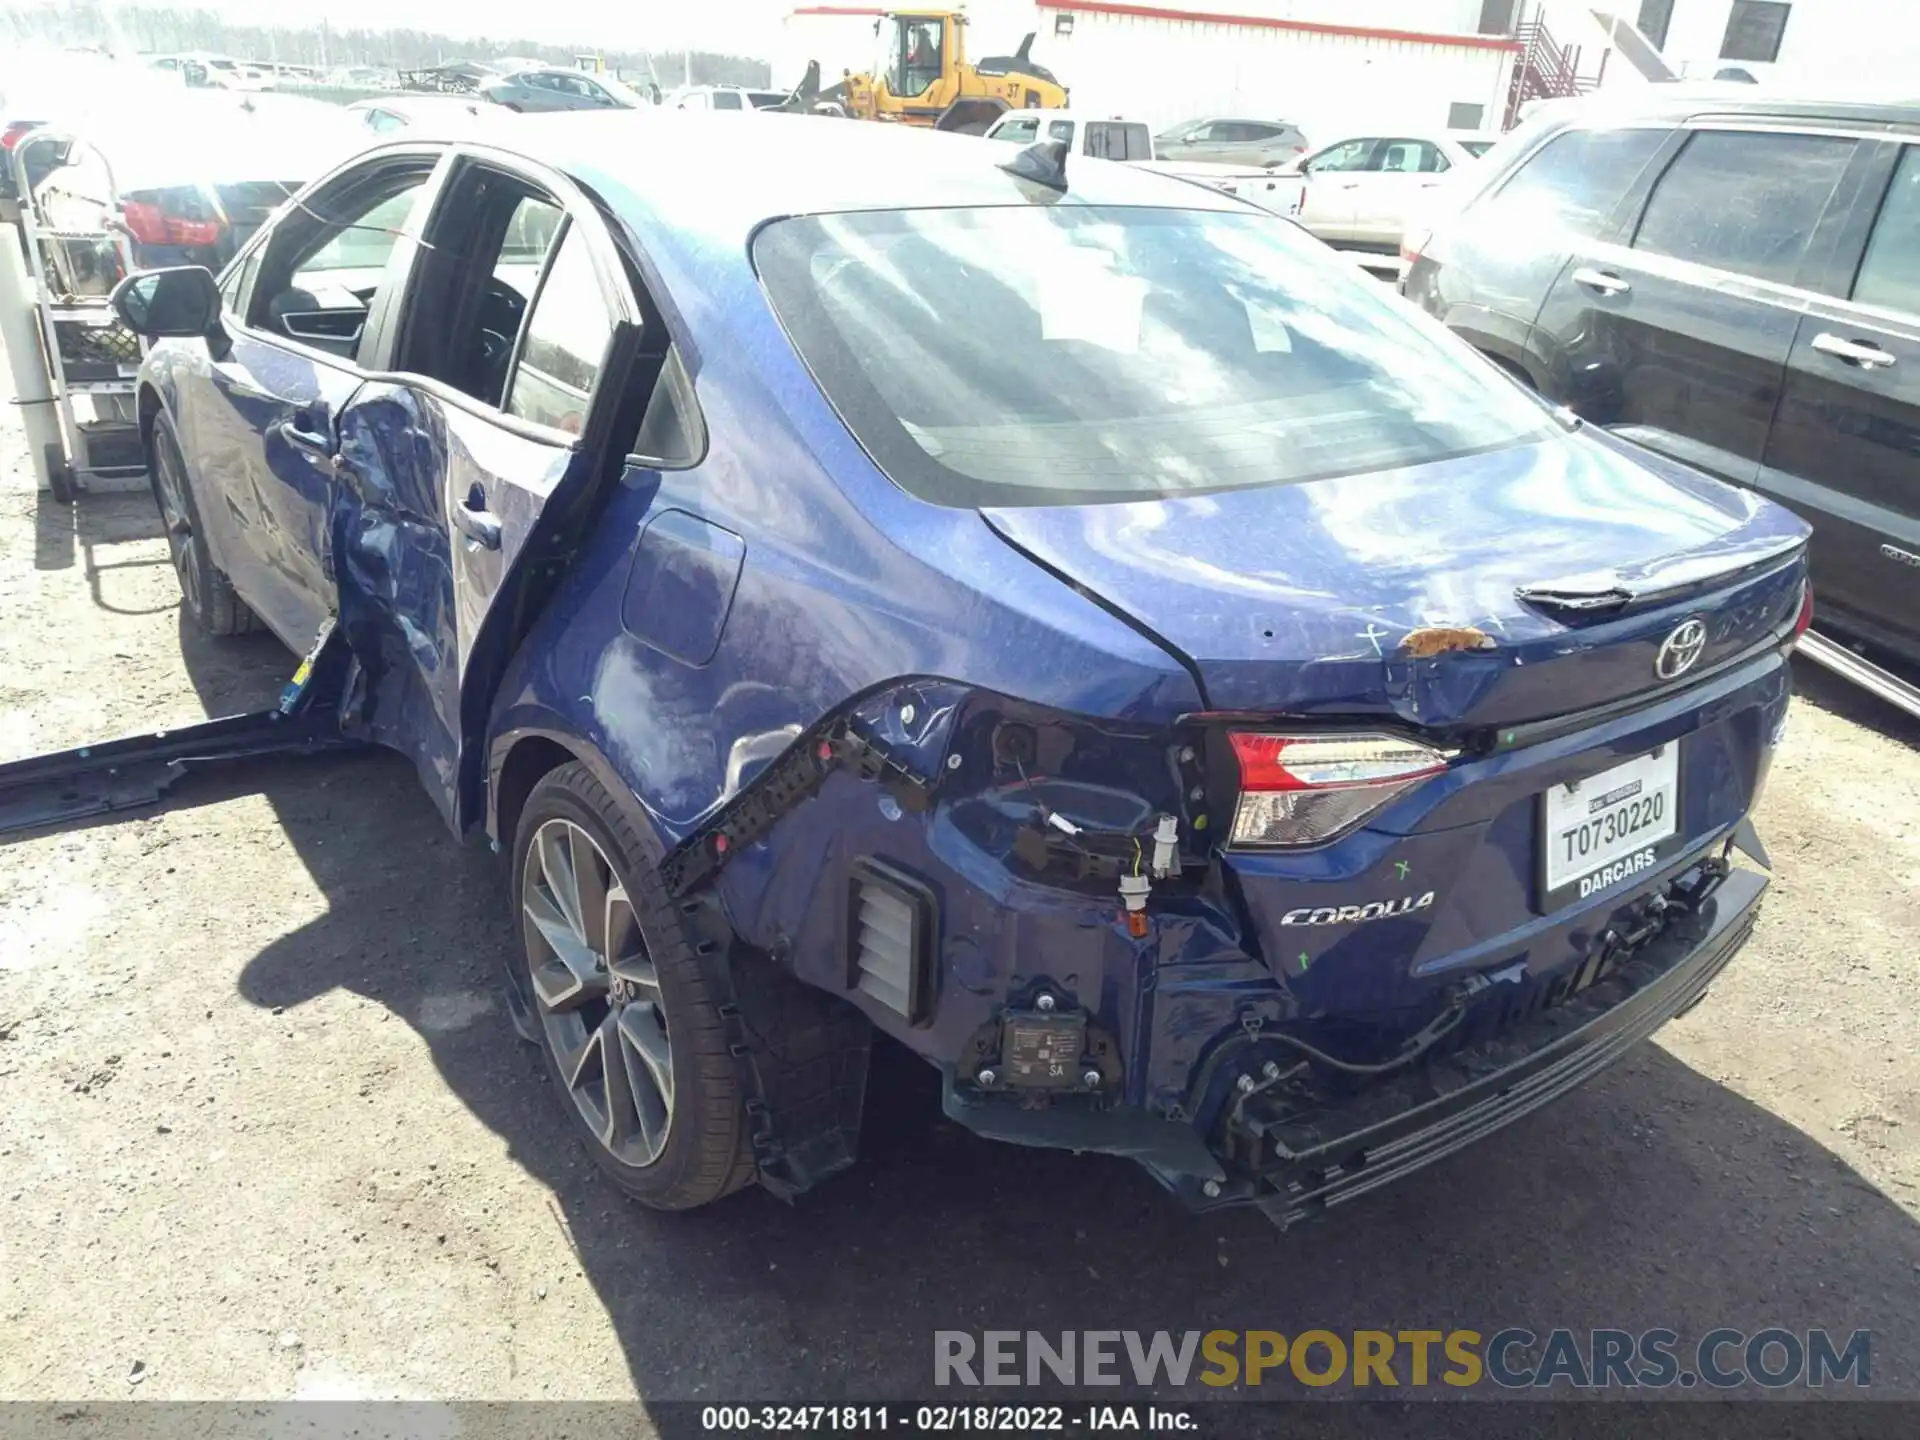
[{"x": 1681, "y": 650}]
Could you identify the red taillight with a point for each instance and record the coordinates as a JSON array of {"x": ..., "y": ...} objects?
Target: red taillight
[
  {"x": 1804, "y": 622},
  {"x": 15, "y": 132},
  {"x": 1308, "y": 789},
  {"x": 1413, "y": 245},
  {"x": 144, "y": 222},
  {"x": 151, "y": 225}
]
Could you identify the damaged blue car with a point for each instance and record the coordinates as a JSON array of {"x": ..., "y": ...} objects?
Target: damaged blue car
[{"x": 1063, "y": 618}]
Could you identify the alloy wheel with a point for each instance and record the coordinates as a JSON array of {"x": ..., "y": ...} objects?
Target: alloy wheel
[{"x": 597, "y": 992}]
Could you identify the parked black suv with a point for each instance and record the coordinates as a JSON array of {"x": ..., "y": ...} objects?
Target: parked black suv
[{"x": 1731, "y": 281}]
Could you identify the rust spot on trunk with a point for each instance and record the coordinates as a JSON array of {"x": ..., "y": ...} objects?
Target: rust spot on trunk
[{"x": 1431, "y": 640}]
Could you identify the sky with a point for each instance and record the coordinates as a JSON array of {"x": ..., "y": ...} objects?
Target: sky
[{"x": 740, "y": 27}]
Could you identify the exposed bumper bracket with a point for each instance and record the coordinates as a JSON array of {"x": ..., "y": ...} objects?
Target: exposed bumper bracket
[
  {"x": 801, "y": 1055},
  {"x": 125, "y": 774},
  {"x": 1330, "y": 1157}
]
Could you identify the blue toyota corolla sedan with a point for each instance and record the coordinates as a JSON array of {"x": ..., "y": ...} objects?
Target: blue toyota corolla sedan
[{"x": 1061, "y": 617}]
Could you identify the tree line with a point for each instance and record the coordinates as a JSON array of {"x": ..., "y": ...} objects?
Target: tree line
[{"x": 161, "y": 29}]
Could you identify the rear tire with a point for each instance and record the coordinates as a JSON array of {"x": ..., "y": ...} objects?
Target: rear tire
[
  {"x": 619, "y": 1003},
  {"x": 206, "y": 594}
]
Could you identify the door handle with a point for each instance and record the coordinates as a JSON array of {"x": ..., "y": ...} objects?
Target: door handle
[
  {"x": 473, "y": 520},
  {"x": 318, "y": 446},
  {"x": 1603, "y": 281},
  {"x": 1855, "y": 352}
]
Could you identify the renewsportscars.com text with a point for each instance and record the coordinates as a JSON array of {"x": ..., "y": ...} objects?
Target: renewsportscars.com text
[{"x": 1512, "y": 1358}]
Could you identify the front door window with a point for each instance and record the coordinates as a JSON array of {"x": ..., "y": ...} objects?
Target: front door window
[{"x": 918, "y": 63}]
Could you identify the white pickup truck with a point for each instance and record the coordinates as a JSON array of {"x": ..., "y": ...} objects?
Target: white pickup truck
[{"x": 1114, "y": 138}]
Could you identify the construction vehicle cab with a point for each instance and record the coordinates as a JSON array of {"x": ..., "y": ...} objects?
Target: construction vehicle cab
[{"x": 922, "y": 77}]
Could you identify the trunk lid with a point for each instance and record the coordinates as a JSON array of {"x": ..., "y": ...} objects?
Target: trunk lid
[{"x": 1400, "y": 592}]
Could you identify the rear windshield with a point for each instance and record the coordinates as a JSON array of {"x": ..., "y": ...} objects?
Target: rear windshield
[
  {"x": 1117, "y": 140},
  {"x": 1067, "y": 354}
]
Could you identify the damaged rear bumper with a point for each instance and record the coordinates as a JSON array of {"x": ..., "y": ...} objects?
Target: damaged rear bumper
[
  {"x": 1307, "y": 1163},
  {"x": 1295, "y": 1150}
]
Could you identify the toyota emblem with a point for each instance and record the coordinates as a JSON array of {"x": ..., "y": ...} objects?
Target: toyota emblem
[{"x": 1681, "y": 650}]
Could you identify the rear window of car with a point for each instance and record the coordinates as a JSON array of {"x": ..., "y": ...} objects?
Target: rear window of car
[
  {"x": 1073, "y": 354},
  {"x": 1575, "y": 181},
  {"x": 1112, "y": 140}
]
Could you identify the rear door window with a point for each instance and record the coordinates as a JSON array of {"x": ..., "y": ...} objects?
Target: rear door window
[
  {"x": 1576, "y": 180},
  {"x": 565, "y": 337},
  {"x": 1744, "y": 201},
  {"x": 1890, "y": 273}
]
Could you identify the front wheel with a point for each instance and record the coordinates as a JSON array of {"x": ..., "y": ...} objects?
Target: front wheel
[
  {"x": 59, "y": 474},
  {"x": 620, "y": 1006},
  {"x": 205, "y": 591}
]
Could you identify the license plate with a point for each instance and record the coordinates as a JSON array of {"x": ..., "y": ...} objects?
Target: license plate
[{"x": 1605, "y": 829}]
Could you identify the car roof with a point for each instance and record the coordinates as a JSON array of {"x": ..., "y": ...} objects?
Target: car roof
[
  {"x": 400, "y": 102},
  {"x": 1439, "y": 136},
  {"x": 724, "y": 175},
  {"x": 1688, "y": 101},
  {"x": 1079, "y": 117}
]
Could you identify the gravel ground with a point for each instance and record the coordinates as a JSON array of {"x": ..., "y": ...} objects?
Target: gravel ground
[{"x": 267, "y": 1133}]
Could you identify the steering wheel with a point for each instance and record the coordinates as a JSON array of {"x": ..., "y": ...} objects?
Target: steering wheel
[{"x": 501, "y": 310}]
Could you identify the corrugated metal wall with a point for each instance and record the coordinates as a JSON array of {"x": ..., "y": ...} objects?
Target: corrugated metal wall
[{"x": 1164, "y": 71}]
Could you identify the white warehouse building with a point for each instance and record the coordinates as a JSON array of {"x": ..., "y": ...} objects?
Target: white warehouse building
[
  {"x": 1330, "y": 66},
  {"x": 1841, "y": 45},
  {"x": 1327, "y": 65},
  {"x": 1337, "y": 67}
]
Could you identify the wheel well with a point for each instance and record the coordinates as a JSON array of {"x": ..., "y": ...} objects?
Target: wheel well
[
  {"x": 526, "y": 763},
  {"x": 1512, "y": 368}
]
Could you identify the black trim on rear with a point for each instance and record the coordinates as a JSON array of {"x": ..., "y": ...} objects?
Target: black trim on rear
[{"x": 1444, "y": 1107}]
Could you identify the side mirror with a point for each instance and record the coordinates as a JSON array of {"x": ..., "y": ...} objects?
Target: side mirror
[{"x": 158, "y": 304}]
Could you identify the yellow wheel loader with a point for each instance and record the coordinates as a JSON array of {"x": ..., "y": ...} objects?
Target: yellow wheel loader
[{"x": 924, "y": 78}]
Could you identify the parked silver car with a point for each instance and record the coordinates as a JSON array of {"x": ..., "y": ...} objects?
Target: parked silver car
[
  {"x": 557, "y": 88},
  {"x": 1232, "y": 142}
]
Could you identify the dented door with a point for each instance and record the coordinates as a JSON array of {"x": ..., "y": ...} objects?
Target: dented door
[
  {"x": 434, "y": 504},
  {"x": 438, "y": 503}
]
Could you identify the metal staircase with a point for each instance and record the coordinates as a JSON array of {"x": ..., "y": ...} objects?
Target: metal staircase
[{"x": 1545, "y": 69}]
